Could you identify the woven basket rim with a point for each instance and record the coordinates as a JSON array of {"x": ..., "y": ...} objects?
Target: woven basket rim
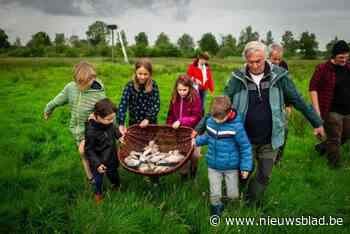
[{"x": 171, "y": 170}]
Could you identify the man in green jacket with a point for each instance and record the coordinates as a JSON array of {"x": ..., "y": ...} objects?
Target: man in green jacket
[{"x": 258, "y": 92}]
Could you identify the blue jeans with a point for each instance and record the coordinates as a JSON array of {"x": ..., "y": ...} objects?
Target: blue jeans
[
  {"x": 112, "y": 175},
  {"x": 202, "y": 95}
]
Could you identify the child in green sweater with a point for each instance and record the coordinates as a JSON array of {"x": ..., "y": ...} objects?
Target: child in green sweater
[{"x": 81, "y": 95}]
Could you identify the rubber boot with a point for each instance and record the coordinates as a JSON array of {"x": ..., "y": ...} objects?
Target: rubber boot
[
  {"x": 333, "y": 160},
  {"x": 255, "y": 193},
  {"x": 321, "y": 148},
  {"x": 98, "y": 198},
  {"x": 216, "y": 209}
]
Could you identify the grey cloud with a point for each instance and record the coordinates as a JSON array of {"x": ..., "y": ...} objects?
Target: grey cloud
[
  {"x": 284, "y": 6},
  {"x": 52, "y": 7},
  {"x": 110, "y": 8},
  {"x": 313, "y": 5},
  {"x": 102, "y": 8}
]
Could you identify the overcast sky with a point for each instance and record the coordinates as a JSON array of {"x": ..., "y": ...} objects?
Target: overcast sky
[{"x": 325, "y": 18}]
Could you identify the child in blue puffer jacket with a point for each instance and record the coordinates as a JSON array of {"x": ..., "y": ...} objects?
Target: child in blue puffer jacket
[{"x": 229, "y": 151}]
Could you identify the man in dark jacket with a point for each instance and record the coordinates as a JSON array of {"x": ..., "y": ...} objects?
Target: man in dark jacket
[
  {"x": 276, "y": 57},
  {"x": 330, "y": 95}
]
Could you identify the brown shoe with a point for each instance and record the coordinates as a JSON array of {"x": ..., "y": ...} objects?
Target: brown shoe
[
  {"x": 98, "y": 198},
  {"x": 333, "y": 160},
  {"x": 115, "y": 187}
]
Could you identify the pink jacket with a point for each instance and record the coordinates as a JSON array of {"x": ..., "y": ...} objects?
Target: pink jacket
[{"x": 189, "y": 114}]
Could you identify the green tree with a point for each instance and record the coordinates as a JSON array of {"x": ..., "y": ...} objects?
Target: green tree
[
  {"x": 186, "y": 45},
  {"x": 163, "y": 47},
  {"x": 246, "y": 36},
  {"x": 141, "y": 51},
  {"x": 4, "y": 43},
  {"x": 74, "y": 41},
  {"x": 97, "y": 33},
  {"x": 40, "y": 39},
  {"x": 60, "y": 43},
  {"x": 289, "y": 44},
  {"x": 208, "y": 43},
  {"x": 17, "y": 42},
  {"x": 162, "y": 40},
  {"x": 59, "y": 39},
  {"x": 308, "y": 45},
  {"x": 228, "y": 46},
  {"x": 269, "y": 39},
  {"x": 141, "y": 39}
]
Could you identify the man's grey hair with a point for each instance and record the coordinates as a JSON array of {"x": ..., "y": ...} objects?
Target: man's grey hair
[
  {"x": 275, "y": 47},
  {"x": 254, "y": 46}
]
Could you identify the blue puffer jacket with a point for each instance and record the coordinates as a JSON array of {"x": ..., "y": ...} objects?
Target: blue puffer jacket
[{"x": 228, "y": 145}]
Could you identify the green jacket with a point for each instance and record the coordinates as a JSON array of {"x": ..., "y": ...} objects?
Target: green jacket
[
  {"x": 81, "y": 104},
  {"x": 282, "y": 90}
]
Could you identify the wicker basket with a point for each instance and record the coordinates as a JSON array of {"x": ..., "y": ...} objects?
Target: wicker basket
[{"x": 166, "y": 137}]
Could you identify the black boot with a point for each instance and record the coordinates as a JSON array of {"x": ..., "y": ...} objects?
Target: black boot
[
  {"x": 333, "y": 160},
  {"x": 184, "y": 177},
  {"x": 279, "y": 156},
  {"x": 255, "y": 193},
  {"x": 216, "y": 209},
  {"x": 321, "y": 148}
]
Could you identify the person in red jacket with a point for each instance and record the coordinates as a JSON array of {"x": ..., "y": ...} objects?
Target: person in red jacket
[
  {"x": 185, "y": 110},
  {"x": 200, "y": 73}
]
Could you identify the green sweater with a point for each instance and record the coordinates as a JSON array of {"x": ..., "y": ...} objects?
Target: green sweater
[{"x": 81, "y": 104}]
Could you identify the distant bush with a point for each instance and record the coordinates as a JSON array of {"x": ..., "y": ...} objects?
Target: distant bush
[
  {"x": 39, "y": 51},
  {"x": 19, "y": 52},
  {"x": 72, "y": 52},
  {"x": 141, "y": 51},
  {"x": 103, "y": 50},
  {"x": 166, "y": 51}
]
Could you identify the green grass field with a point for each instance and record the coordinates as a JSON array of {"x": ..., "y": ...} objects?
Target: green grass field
[{"x": 42, "y": 183}]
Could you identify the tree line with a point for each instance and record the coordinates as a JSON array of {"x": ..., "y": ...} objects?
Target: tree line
[{"x": 97, "y": 43}]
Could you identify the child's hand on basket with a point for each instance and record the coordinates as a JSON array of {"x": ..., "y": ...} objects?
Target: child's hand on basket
[
  {"x": 176, "y": 124},
  {"x": 193, "y": 141},
  {"x": 244, "y": 174},
  {"x": 122, "y": 130},
  {"x": 144, "y": 123},
  {"x": 122, "y": 140},
  {"x": 101, "y": 169},
  {"x": 194, "y": 134}
]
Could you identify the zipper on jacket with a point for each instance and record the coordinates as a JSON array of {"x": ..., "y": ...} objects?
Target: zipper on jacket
[
  {"x": 77, "y": 126},
  {"x": 259, "y": 91},
  {"x": 215, "y": 139},
  {"x": 181, "y": 106},
  {"x": 247, "y": 96}
]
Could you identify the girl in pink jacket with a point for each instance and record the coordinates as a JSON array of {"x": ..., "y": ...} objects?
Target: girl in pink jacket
[{"x": 185, "y": 110}]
